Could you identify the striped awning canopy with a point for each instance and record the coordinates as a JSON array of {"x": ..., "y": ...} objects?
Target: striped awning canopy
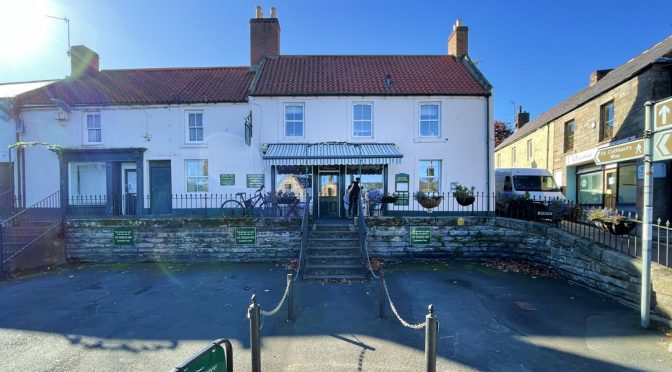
[{"x": 332, "y": 153}]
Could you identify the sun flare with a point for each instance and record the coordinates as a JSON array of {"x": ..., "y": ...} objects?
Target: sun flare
[{"x": 24, "y": 28}]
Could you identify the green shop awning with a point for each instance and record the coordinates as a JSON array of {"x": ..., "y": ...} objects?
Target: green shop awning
[{"x": 332, "y": 153}]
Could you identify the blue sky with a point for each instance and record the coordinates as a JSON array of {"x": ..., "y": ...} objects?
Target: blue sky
[{"x": 535, "y": 53}]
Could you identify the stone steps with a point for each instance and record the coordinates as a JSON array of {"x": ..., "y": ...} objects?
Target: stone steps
[{"x": 333, "y": 254}]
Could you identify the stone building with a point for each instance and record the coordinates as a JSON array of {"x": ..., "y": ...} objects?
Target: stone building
[{"x": 610, "y": 110}]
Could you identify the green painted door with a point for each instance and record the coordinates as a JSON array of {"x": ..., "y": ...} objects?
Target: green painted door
[
  {"x": 328, "y": 195},
  {"x": 160, "y": 191}
]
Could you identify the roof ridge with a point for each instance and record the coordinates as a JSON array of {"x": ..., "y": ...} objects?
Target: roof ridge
[
  {"x": 361, "y": 55},
  {"x": 178, "y": 68},
  {"x": 29, "y": 82}
]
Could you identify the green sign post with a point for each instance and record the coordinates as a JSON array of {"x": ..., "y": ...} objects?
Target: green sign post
[
  {"x": 401, "y": 181},
  {"x": 217, "y": 357},
  {"x": 227, "y": 179},
  {"x": 255, "y": 181},
  {"x": 122, "y": 236},
  {"x": 420, "y": 235},
  {"x": 246, "y": 235}
]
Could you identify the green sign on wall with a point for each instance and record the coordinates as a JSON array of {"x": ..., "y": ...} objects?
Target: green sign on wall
[
  {"x": 122, "y": 236},
  {"x": 246, "y": 235},
  {"x": 255, "y": 181},
  {"x": 402, "y": 199},
  {"x": 420, "y": 235},
  {"x": 401, "y": 181},
  {"x": 227, "y": 179}
]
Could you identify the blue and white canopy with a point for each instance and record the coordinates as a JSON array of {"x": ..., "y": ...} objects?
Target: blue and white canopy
[{"x": 332, "y": 153}]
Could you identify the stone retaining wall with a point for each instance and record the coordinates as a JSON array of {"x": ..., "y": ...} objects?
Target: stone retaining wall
[
  {"x": 182, "y": 240},
  {"x": 579, "y": 260}
]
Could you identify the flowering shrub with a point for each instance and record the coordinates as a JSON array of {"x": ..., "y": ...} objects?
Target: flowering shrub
[
  {"x": 606, "y": 215},
  {"x": 374, "y": 196}
]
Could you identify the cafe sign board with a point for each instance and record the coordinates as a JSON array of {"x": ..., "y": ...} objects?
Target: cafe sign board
[
  {"x": 625, "y": 151},
  {"x": 246, "y": 235},
  {"x": 401, "y": 182},
  {"x": 420, "y": 235},
  {"x": 255, "y": 181},
  {"x": 122, "y": 236}
]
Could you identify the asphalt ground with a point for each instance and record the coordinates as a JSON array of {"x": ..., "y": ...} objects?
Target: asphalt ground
[{"x": 151, "y": 317}]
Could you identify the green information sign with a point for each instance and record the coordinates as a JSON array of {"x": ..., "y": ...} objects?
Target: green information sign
[
  {"x": 122, "y": 236},
  {"x": 212, "y": 359},
  {"x": 255, "y": 181},
  {"x": 401, "y": 181},
  {"x": 246, "y": 235},
  {"x": 420, "y": 235},
  {"x": 227, "y": 179},
  {"x": 402, "y": 199}
]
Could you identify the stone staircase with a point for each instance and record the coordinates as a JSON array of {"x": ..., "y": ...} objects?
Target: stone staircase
[{"x": 333, "y": 254}]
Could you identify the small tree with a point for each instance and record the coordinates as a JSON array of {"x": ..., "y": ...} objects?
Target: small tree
[{"x": 502, "y": 131}]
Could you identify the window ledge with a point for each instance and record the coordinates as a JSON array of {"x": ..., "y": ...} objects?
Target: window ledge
[
  {"x": 429, "y": 139},
  {"x": 194, "y": 145}
]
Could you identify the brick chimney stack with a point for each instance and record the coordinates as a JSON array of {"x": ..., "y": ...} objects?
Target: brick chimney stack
[
  {"x": 522, "y": 117},
  {"x": 264, "y": 37},
  {"x": 458, "y": 41},
  {"x": 83, "y": 61},
  {"x": 597, "y": 75}
]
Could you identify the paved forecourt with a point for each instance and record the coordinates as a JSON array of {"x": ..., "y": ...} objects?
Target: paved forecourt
[{"x": 152, "y": 317}]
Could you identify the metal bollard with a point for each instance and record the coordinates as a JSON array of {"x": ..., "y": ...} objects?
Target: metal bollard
[
  {"x": 431, "y": 332},
  {"x": 290, "y": 298},
  {"x": 255, "y": 334},
  {"x": 381, "y": 295}
]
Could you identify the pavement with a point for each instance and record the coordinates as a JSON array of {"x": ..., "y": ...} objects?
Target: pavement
[{"x": 154, "y": 316}]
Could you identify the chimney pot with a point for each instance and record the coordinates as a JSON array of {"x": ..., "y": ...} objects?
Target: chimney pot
[
  {"x": 273, "y": 12},
  {"x": 522, "y": 118},
  {"x": 260, "y": 12},
  {"x": 458, "y": 41}
]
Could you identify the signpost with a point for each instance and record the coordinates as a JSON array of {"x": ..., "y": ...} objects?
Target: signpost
[
  {"x": 227, "y": 179},
  {"x": 625, "y": 151},
  {"x": 663, "y": 145},
  {"x": 662, "y": 114},
  {"x": 216, "y": 357}
]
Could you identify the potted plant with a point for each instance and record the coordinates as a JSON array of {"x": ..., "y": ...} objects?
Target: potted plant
[
  {"x": 464, "y": 195},
  {"x": 611, "y": 221},
  {"x": 389, "y": 199},
  {"x": 428, "y": 201},
  {"x": 374, "y": 197}
]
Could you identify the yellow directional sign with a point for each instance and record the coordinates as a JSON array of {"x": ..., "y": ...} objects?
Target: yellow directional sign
[
  {"x": 625, "y": 151},
  {"x": 663, "y": 145},
  {"x": 662, "y": 114}
]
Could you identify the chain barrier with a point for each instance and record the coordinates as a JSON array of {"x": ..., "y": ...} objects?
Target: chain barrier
[
  {"x": 396, "y": 313},
  {"x": 282, "y": 301}
]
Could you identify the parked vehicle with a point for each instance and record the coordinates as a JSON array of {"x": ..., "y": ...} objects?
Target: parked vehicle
[{"x": 530, "y": 193}]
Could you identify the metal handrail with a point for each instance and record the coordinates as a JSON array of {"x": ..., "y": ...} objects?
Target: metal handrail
[
  {"x": 304, "y": 234},
  {"x": 362, "y": 231}
]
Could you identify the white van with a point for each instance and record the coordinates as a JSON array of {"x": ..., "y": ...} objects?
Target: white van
[{"x": 512, "y": 183}]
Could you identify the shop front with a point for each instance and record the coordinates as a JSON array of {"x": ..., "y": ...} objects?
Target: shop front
[{"x": 325, "y": 171}]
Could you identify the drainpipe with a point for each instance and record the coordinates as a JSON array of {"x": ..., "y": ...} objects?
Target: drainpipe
[{"x": 487, "y": 147}]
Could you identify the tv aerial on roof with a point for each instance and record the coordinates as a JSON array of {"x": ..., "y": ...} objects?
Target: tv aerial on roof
[{"x": 67, "y": 22}]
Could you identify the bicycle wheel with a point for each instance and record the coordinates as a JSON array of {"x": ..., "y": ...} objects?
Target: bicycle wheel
[
  {"x": 232, "y": 208},
  {"x": 270, "y": 210}
]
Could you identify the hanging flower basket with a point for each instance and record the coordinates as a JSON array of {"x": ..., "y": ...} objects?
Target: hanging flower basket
[
  {"x": 611, "y": 222},
  {"x": 430, "y": 203},
  {"x": 389, "y": 199},
  {"x": 465, "y": 200},
  {"x": 464, "y": 195}
]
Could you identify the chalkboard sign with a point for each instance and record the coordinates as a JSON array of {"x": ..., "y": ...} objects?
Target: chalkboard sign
[
  {"x": 420, "y": 235},
  {"x": 227, "y": 179},
  {"x": 246, "y": 235},
  {"x": 122, "y": 236}
]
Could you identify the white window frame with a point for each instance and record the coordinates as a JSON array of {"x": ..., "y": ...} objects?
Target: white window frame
[
  {"x": 438, "y": 129},
  {"x": 188, "y": 128},
  {"x": 530, "y": 154},
  {"x": 75, "y": 196},
  {"x": 187, "y": 176},
  {"x": 437, "y": 172},
  {"x": 513, "y": 155},
  {"x": 302, "y": 121},
  {"x": 88, "y": 130},
  {"x": 354, "y": 120}
]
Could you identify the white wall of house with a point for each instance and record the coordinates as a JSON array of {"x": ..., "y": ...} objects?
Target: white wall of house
[
  {"x": 160, "y": 129},
  {"x": 461, "y": 144},
  {"x": 7, "y": 137}
]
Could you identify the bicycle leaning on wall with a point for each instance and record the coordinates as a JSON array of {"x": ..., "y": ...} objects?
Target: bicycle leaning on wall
[{"x": 256, "y": 205}]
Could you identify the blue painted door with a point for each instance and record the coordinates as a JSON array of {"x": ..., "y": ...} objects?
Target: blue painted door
[{"x": 160, "y": 191}]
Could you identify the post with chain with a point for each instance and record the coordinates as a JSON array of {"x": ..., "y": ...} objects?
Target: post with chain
[
  {"x": 290, "y": 298},
  {"x": 381, "y": 295},
  {"x": 431, "y": 331},
  {"x": 254, "y": 315}
]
